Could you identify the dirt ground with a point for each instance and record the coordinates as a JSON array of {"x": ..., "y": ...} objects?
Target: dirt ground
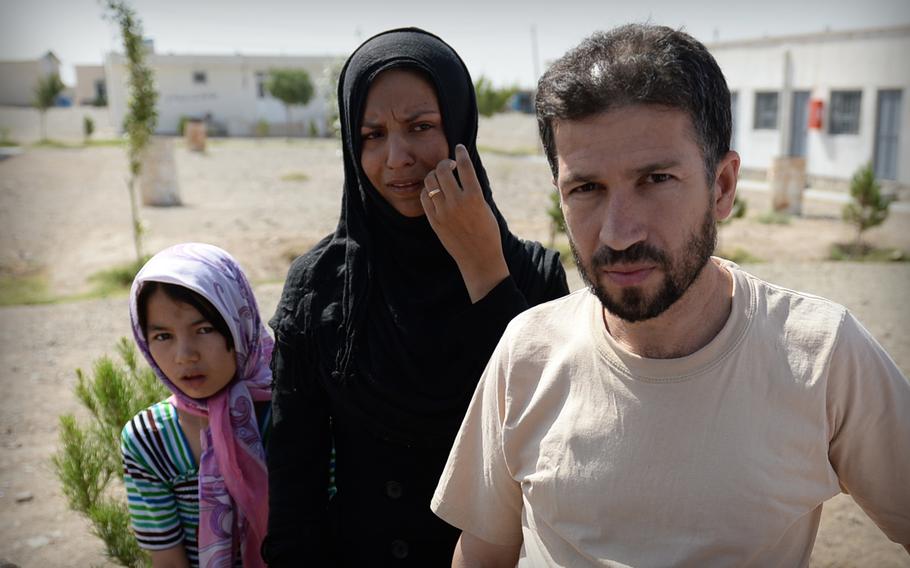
[{"x": 64, "y": 213}]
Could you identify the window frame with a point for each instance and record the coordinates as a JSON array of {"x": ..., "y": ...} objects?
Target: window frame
[
  {"x": 841, "y": 119},
  {"x": 758, "y": 112},
  {"x": 261, "y": 79}
]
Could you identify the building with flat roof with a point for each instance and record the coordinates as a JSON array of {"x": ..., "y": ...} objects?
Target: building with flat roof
[
  {"x": 19, "y": 78},
  {"x": 838, "y": 99},
  {"x": 228, "y": 91}
]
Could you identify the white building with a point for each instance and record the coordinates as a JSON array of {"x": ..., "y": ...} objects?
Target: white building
[
  {"x": 226, "y": 90},
  {"x": 18, "y": 79},
  {"x": 839, "y": 99},
  {"x": 91, "y": 85}
]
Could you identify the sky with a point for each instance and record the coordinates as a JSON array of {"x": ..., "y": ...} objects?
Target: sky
[{"x": 493, "y": 37}]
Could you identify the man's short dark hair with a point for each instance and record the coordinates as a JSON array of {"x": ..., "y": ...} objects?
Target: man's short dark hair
[{"x": 638, "y": 64}]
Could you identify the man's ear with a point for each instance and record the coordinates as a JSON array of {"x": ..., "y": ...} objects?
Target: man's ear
[{"x": 725, "y": 176}]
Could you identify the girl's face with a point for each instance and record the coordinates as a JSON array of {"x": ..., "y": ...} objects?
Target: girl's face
[
  {"x": 187, "y": 348},
  {"x": 403, "y": 138}
]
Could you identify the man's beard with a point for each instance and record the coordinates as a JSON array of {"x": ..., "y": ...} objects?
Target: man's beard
[{"x": 633, "y": 304}]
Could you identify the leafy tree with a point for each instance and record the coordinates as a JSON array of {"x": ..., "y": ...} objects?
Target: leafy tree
[
  {"x": 291, "y": 87},
  {"x": 489, "y": 99},
  {"x": 89, "y": 457},
  {"x": 141, "y": 116},
  {"x": 869, "y": 207},
  {"x": 47, "y": 89}
]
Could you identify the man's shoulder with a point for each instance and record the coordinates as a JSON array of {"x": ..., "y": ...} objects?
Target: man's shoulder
[
  {"x": 551, "y": 322},
  {"x": 785, "y": 310},
  {"x": 556, "y": 313}
]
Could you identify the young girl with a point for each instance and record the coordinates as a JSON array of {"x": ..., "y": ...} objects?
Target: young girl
[{"x": 194, "y": 464}]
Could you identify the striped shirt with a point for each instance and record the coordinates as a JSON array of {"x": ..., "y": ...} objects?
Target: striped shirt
[{"x": 160, "y": 474}]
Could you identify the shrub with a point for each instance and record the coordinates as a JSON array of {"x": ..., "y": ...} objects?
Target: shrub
[
  {"x": 869, "y": 207},
  {"x": 557, "y": 221},
  {"x": 738, "y": 211},
  {"x": 89, "y": 457},
  {"x": 88, "y": 127},
  {"x": 5, "y": 140},
  {"x": 489, "y": 99}
]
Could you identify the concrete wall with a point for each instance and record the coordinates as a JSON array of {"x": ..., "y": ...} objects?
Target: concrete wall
[
  {"x": 229, "y": 95},
  {"x": 865, "y": 60}
]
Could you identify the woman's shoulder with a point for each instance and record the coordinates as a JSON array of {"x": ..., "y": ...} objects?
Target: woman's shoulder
[
  {"x": 538, "y": 271},
  {"x": 312, "y": 277},
  {"x": 308, "y": 261}
]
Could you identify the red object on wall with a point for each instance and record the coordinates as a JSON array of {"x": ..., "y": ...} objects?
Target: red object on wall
[{"x": 816, "y": 111}]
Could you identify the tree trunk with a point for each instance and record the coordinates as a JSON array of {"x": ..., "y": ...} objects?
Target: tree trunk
[
  {"x": 43, "y": 124},
  {"x": 287, "y": 111},
  {"x": 858, "y": 245},
  {"x": 137, "y": 224}
]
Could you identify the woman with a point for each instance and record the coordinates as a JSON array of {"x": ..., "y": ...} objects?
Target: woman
[
  {"x": 386, "y": 325},
  {"x": 194, "y": 464}
]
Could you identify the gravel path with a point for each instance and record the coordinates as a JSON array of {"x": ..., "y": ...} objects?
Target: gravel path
[{"x": 65, "y": 212}]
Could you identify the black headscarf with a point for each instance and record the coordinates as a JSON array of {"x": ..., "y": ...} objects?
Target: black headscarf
[{"x": 381, "y": 301}]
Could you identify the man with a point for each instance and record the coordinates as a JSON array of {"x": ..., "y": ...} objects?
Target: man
[{"x": 678, "y": 412}]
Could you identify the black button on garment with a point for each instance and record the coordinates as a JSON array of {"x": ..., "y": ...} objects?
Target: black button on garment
[
  {"x": 393, "y": 489},
  {"x": 399, "y": 549}
]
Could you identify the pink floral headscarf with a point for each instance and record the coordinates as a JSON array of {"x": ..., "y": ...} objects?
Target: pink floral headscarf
[{"x": 233, "y": 480}]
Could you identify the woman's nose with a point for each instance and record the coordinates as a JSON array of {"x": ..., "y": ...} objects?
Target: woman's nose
[{"x": 400, "y": 151}]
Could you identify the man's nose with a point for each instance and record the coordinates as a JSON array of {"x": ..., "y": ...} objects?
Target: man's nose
[{"x": 623, "y": 222}]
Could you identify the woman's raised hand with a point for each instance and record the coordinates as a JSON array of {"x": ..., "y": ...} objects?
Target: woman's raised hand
[{"x": 465, "y": 224}]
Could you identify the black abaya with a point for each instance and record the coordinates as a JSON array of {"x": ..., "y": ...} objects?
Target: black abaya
[{"x": 379, "y": 349}]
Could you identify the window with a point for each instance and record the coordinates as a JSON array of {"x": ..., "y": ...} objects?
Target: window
[
  {"x": 261, "y": 78},
  {"x": 765, "y": 111},
  {"x": 845, "y": 112},
  {"x": 100, "y": 90},
  {"x": 199, "y": 78}
]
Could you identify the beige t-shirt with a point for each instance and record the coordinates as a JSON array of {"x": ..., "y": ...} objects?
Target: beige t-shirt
[{"x": 590, "y": 455}]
